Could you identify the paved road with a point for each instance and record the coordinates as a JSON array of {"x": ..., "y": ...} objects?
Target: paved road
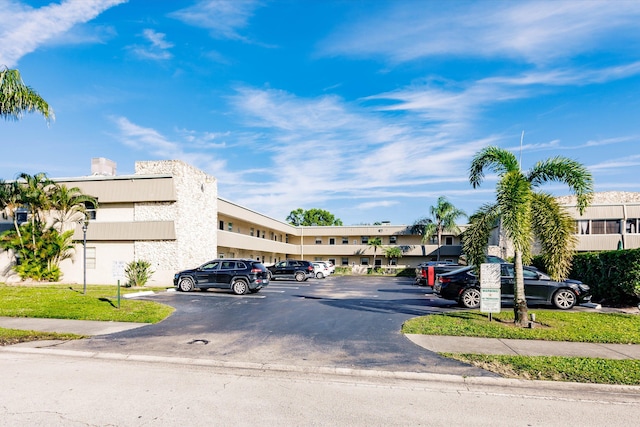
[
  {"x": 59, "y": 390},
  {"x": 351, "y": 322}
]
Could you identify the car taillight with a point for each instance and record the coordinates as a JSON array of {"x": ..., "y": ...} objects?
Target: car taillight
[
  {"x": 443, "y": 279},
  {"x": 424, "y": 273},
  {"x": 256, "y": 270}
]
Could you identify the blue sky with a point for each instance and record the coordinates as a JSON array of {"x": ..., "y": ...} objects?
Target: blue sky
[{"x": 368, "y": 109}]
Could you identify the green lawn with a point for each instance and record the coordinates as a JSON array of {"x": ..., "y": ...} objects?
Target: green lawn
[
  {"x": 69, "y": 302},
  {"x": 550, "y": 325}
]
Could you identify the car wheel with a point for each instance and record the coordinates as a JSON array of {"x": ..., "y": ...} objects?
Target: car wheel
[
  {"x": 319, "y": 275},
  {"x": 186, "y": 284},
  {"x": 300, "y": 276},
  {"x": 564, "y": 299},
  {"x": 239, "y": 287},
  {"x": 470, "y": 298}
]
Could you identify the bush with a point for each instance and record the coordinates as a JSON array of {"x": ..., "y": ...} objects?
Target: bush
[
  {"x": 613, "y": 276},
  {"x": 138, "y": 273}
]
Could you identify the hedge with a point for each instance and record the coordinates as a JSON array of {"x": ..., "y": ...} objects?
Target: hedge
[{"x": 613, "y": 276}]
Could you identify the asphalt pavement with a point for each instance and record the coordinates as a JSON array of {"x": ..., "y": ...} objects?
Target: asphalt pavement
[{"x": 434, "y": 343}]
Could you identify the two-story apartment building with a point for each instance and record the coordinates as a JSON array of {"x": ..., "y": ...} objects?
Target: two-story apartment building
[{"x": 169, "y": 213}]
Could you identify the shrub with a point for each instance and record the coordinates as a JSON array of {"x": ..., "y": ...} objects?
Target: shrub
[
  {"x": 138, "y": 273},
  {"x": 613, "y": 276}
]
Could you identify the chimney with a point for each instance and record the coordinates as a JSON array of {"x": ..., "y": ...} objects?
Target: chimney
[{"x": 103, "y": 167}]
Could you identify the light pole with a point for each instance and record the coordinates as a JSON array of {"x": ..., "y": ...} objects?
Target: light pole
[{"x": 85, "y": 225}]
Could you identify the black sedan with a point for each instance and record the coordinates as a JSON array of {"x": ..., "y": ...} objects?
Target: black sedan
[{"x": 463, "y": 286}]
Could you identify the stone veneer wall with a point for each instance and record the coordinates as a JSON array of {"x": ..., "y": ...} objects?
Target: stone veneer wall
[
  {"x": 604, "y": 198},
  {"x": 195, "y": 215}
]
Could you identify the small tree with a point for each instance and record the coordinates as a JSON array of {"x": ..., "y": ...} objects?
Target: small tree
[
  {"x": 443, "y": 219},
  {"x": 311, "y": 217},
  {"x": 392, "y": 252},
  {"x": 138, "y": 273},
  {"x": 375, "y": 243}
]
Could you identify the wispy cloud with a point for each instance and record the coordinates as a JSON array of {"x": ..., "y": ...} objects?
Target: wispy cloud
[
  {"x": 223, "y": 18},
  {"x": 345, "y": 151},
  {"x": 157, "y": 48},
  {"x": 533, "y": 31},
  {"x": 153, "y": 142},
  {"x": 23, "y": 29}
]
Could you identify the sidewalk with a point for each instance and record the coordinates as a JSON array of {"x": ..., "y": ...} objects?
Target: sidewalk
[
  {"x": 498, "y": 346},
  {"x": 80, "y": 327},
  {"x": 435, "y": 343}
]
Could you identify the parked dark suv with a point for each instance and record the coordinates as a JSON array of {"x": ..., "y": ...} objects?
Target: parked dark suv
[
  {"x": 291, "y": 269},
  {"x": 239, "y": 275}
]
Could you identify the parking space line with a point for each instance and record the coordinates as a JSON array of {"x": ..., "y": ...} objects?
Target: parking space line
[{"x": 217, "y": 294}]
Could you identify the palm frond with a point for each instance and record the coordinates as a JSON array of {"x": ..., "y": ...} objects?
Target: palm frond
[
  {"x": 568, "y": 171},
  {"x": 555, "y": 229},
  {"x": 492, "y": 158},
  {"x": 478, "y": 231}
]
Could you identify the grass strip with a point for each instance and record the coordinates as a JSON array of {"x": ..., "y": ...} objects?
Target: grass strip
[
  {"x": 551, "y": 325},
  {"x": 556, "y": 368},
  {"x": 69, "y": 302},
  {"x": 15, "y": 336}
]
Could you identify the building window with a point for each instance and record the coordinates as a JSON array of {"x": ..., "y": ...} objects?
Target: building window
[
  {"x": 600, "y": 226},
  {"x": 345, "y": 240},
  {"x": 332, "y": 240},
  {"x": 220, "y": 255},
  {"x": 365, "y": 240},
  {"x": 364, "y": 261},
  {"x": 632, "y": 226},
  {"x": 91, "y": 257},
  {"x": 583, "y": 227},
  {"x": 230, "y": 226},
  {"x": 393, "y": 261},
  {"x": 90, "y": 210},
  {"x": 318, "y": 240},
  {"x": 344, "y": 261},
  {"x": 448, "y": 241},
  {"x": 263, "y": 234},
  {"x": 221, "y": 226},
  {"x": 252, "y": 232},
  {"x": 393, "y": 240}
]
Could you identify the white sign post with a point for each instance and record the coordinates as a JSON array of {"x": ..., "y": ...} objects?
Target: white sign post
[
  {"x": 118, "y": 273},
  {"x": 490, "y": 288}
]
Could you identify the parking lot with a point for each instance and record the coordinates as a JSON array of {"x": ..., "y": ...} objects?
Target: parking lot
[{"x": 338, "y": 321}]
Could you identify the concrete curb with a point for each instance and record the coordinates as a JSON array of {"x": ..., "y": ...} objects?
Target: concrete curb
[{"x": 531, "y": 386}]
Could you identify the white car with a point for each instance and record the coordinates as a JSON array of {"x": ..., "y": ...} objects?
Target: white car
[
  {"x": 329, "y": 265},
  {"x": 320, "y": 270}
]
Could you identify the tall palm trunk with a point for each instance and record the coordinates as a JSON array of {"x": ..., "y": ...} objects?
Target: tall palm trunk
[{"x": 520, "y": 310}]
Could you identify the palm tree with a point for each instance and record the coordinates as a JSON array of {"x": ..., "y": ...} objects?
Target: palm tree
[
  {"x": 16, "y": 98},
  {"x": 35, "y": 192},
  {"x": 525, "y": 214},
  {"x": 10, "y": 200},
  {"x": 376, "y": 242},
  {"x": 69, "y": 204},
  {"x": 443, "y": 219},
  {"x": 392, "y": 252}
]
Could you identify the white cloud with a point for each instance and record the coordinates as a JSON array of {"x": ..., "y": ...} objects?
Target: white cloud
[
  {"x": 534, "y": 31},
  {"x": 158, "y": 49},
  {"x": 23, "y": 29},
  {"x": 153, "y": 142},
  {"x": 223, "y": 18}
]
